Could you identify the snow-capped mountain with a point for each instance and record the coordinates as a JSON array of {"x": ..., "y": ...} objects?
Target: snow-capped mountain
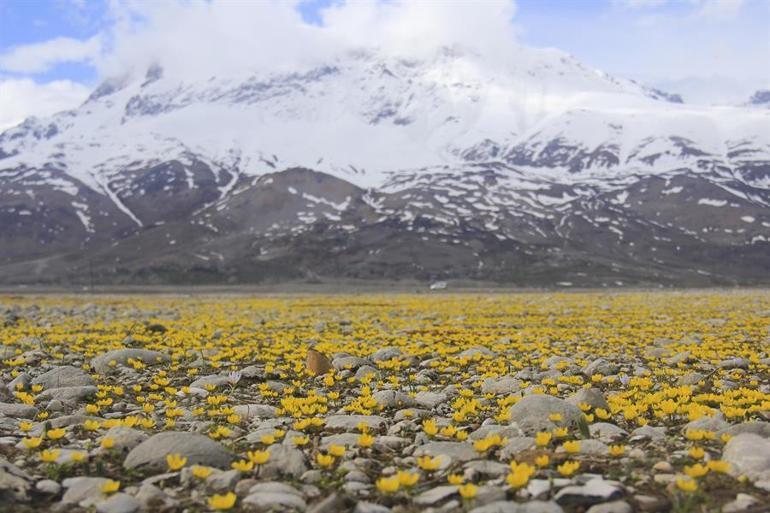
[{"x": 541, "y": 171}]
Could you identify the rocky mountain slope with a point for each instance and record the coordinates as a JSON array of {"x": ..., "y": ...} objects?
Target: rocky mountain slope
[{"x": 539, "y": 172}]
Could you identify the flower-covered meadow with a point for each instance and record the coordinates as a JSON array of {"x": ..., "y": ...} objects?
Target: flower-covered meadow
[{"x": 374, "y": 403}]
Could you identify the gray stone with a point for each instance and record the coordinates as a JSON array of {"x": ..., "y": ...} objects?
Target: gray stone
[
  {"x": 385, "y": 353},
  {"x": 366, "y": 371},
  {"x": 393, "y": 399},
  {"x": 748, "y": 454},
  {"x": 611, "y": 507},
  {"x": 125, "y": 437},
  {"x": 85, "y": 491},
  {"x": 14, "y": 482},
  {"x": 742, "y": 502},
  {"x": 516, "y": 445},
  {"x": 223, "y": 481},
  {"x": 334, "y": 503},
  {"x": 153, "y": 498},
  {"x": 590, "y": 396},
  {"x": 476, "y": 351},
  {"x": 350, "y": 422},
  {"x": 119, "y": 503},
  {"x": 344, "y": 439},
  {"x": 532, "y": 413},
  {"x": 274, "y": 487},
  {"x": 198, "y": 449},
  {"x": 435, "y": 495},
  {"x": 370, "y": 507},
  {"x": 486, "y": 468},
  {"x": 590, "y": 447},
  {"x": 430, "y": 399},
  {"x": 599, "y": 366},
  {"x": 691, "y": 378},
  {"x": 349, "y": 362},
  {"x": 18, "y": 411},
  {"x": 714, "y": 423},
  {"x": 251, "y": 411},
  {"x": 214, "y": 379},
  {"x": 606, "y": 432},
  {"x": 64, "y": 376},
  {"x": 649, "y": 433},
  {"x": 735, "y": 363},
  {"x": 101, "y": 363},
  {"x": 491, "y": 429},
  {"x": 513, "y": 507},
  {"x": 269, "y": 501},
  {"x": 284, "y": 461},
  {"x": 458, "y": 451},
  {"x": 753, "y": 427},
  {"x": 68, "y": 394},
  {"x": 500, "y": 386},
  {"x": 48, "y": 487},
  {"x": 593, "y": 492}
]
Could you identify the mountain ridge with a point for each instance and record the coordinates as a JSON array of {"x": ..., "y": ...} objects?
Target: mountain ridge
[{"x": 399, "y": 168}]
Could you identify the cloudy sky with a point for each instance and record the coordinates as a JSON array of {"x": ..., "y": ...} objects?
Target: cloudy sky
[{"x": 53, "y": 52}]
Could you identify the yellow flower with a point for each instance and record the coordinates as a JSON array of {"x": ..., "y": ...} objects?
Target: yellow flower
[
  {"x": 301, "y": 440},
  {"x": 455, "y": 479},
  {"x": 560, "y": 432},
  {"x": 337, "y": 450},
  {"x": 56, "y": 434},
  {"x": 267, "y": 439},
  {"x": 108, "y": 442},
  {"x": 696, "y": 470},
  {"x": 258, "y": 457},
  {"x": 365, "y": 440},
  {"x": 571, "y": 447},
  {"x": 467, "y": 491},
  {"x": 242, "y": 465},
  {"x": 696, "y": 452},
  {"x": 32, "y": 442},
  {"x": 719, "y": 466},
  {"x": 222, "y": 502},
  {"x": 430, "y": 428},
  {"x": 91, "y": 425},
  {"x": 25, "y": 426},
  {"x": 175, "y": 461},
  {"x": 555, "y": 417},
  {"x": 201, "y": 472},
  {"x": 428, "y": 463},
  {"x": 324, "y": 460},
  {"x": 77, "y": 456},
  {"x": 686, "y": 484},
  {"x": 388, "y": 484},
  {"x": 49, "y": 456},
  {"x": 110, "y": 487},
  {"x": 568, "y": 468},
  {"x": 542, "y": 460},
  {"x": 543, "y": 438},
  {"x": 517, "y": 479},
  {"x": 407, "y": 479},
  {"x": 616, "y": 451}
]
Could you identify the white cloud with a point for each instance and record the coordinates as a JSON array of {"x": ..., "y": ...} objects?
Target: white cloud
[
  {"x": 201, "y": 38},
  {"x": 719, "y": 9},
  {"x": 642, "y": 4},
  {"x": 40, "y": 57},
  {"x": 21, "y": 98}
]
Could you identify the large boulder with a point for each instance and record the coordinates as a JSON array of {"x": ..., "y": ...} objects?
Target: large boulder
[
  {"x": 198, "y": 449},
  {"x": 532, "y": 413},
  {"x": 64, "y": 376},
  {"x": 101, "y": 363},
  {"x": 749, "y": 455}
]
